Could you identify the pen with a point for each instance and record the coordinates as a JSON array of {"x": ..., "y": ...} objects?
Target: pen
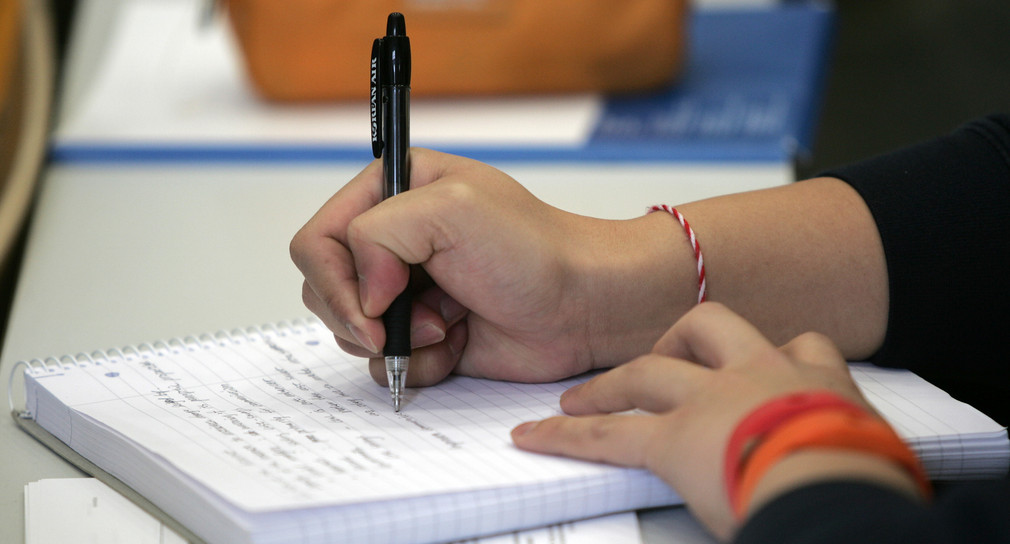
[{"x": 390, "y": 112}]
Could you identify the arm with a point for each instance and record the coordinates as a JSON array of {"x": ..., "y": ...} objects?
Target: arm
[
  {"x": 514, "y": 282},
  {"x": 517, "y": 283},
  {"x": 940, "y": 207},
  {"x": 968, "y": 511},
  {"x": 804, "y": 257},
  {"x": 586, "y": 293}
]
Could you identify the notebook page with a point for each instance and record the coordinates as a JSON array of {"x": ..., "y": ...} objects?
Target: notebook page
[
  {"x": 602, "y": 530},
  {"x": 283, "y": 419},
  {"x": 86, "y": 510},
  {"x": 952, "y": 438},
  {"x": 277, "y": 420},
  {"x": 915, "y": 410}
]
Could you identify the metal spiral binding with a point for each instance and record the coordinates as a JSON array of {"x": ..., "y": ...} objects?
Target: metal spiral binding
[{"x": 114, "y": 356}]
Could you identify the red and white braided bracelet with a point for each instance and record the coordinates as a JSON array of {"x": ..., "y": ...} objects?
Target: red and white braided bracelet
[{"x": 702, "y": 289}]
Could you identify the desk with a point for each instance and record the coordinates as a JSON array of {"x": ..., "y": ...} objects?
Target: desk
[{"x": 121, "y": 254}]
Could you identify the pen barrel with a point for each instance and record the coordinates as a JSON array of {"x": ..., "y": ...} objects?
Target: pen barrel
[
  {"x": 396, "y": 135},
  {"x": 397, "y": 322}
]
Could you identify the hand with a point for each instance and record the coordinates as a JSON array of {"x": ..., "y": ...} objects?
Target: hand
[
  {"x": 702, "y": 377},
  {"x": 512, "y": 288}
]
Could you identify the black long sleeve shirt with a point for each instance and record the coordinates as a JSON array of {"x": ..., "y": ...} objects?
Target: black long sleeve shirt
[{"x": 942, "y": 208}]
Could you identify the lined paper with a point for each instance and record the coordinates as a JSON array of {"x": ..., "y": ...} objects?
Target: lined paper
[
  {"x": 952, "y": 438},
  {"x": 274, "y": 435},
  {"x": 286, "y": 420},
  {"x": 278, "y": 430}
]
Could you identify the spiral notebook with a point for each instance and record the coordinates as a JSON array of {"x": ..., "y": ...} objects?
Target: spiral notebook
[{"x": 273, "y": 435}]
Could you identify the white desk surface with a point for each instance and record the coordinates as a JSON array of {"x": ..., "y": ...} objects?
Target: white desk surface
[{"x": 121, "y": 254}]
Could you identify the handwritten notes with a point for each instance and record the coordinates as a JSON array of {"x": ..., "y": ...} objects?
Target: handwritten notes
[
  {"x": 280, "y": 418},
  {"x": 274, "y": 434}
]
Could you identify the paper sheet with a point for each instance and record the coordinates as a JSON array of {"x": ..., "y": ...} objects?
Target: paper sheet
[
  {"x": 281, "y": 419},
  {"x": 62, "y": 510},
  {"x": 277, "y": 427}
]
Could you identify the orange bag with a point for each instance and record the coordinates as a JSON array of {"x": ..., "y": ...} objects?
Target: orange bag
[{"x": 300, "y": 50}]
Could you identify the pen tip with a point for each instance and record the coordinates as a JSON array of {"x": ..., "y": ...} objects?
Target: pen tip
[{"x": 395, "y": 25}]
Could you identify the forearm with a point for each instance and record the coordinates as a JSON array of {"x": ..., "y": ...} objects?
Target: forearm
[
  {"x": 638, "y": 277},
  {"x": 804, "y": 257}
]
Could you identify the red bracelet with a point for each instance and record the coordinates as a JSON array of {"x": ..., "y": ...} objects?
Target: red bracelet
[
  {"x": 702, "y": 287},
  {"x": 766, "y": 418},
  {"x": 819, "y": 419}
]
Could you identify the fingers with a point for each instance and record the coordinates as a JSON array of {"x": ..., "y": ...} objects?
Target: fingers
[
  {"x": 321, "y": 251},
  {"x": 384, "y": 242},
  {"x": 429, "y": 364},
  {"x": 413, "y": 227},
  {"x": 712, "y": 335},
  {"x": 814, "y": 349},
  {"x": 818, "y": 353},
  {"x": 615, "y": 439},
  {"x": 652, "y": 383},
  {"x": 427, "y": 324}
]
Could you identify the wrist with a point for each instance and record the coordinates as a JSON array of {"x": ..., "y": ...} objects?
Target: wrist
[
  {"x": 799, "y": 425},
  {"x": 639, "y": 277},
  {"x": 809, "y": 467}
]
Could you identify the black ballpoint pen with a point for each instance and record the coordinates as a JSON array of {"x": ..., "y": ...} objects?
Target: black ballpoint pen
[{"x": 390, "y": 108}]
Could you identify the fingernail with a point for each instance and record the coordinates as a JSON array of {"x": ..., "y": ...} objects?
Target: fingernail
[
  {"x": 573, "y": 390},
  {"x": 456, "y": 339},
  {"x": 426, "y": 335},
  {"x": 363, "y": 339},
  {"x": 362, "y": 291},
  {"x": 450, "y": 309},
  {"x": 525, "y": 428}
]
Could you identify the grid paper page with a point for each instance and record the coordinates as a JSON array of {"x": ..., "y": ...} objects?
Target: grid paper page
[
  {"x": 275, "y": 433},
  {"x": 282, "y": 419},
  {"x": 952, "y": 438}
]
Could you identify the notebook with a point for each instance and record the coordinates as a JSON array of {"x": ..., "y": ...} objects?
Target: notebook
[
  {"x": 272, "y": 435},
  {"x": 61, "y": 510}
]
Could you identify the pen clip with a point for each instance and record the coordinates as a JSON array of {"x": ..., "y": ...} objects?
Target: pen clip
[{"x": 375, "y": 98}]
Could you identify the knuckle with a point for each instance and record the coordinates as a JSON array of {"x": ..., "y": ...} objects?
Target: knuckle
[
  {"x": 601, "y": 429},
  {"x": 297, "y": 246},
  {"x": 458, "y": 193},
  {"x": 356, "y": 230},
  {"x": 814, "y": 338},
  {"x": 309, "y": 297},
  {"x": 709, "y": 309},
  {"x": 639, "y": 367}
]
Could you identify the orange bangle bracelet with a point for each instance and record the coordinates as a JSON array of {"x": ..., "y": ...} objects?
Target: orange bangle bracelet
[
  {"x": 755, "y": 426},
  {"x": 832, "y": 429}
]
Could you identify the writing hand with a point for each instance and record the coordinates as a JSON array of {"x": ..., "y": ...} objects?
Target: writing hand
[{"x": 518, "y": 290}]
